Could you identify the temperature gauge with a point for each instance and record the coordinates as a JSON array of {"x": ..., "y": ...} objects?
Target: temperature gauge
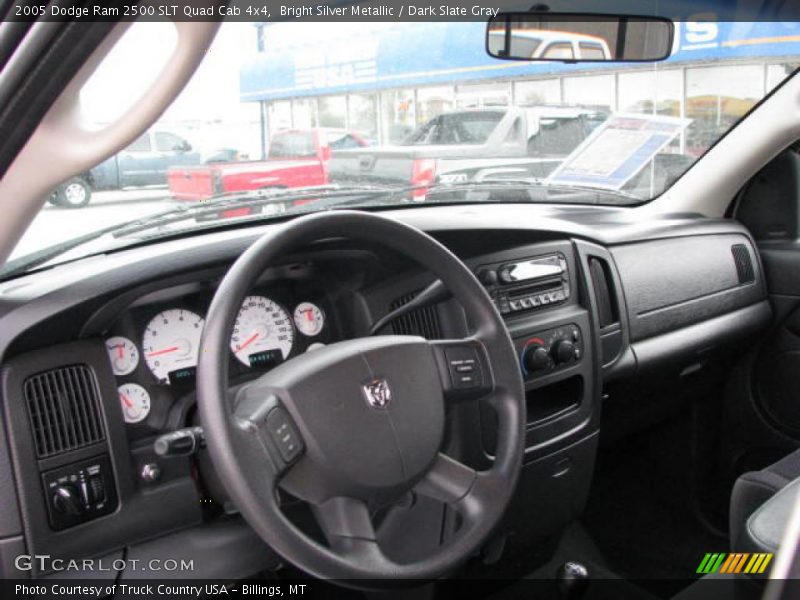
[
  {"x": 123, "y": 353},
  {"x": 309, "y": 318},
  {"x": 135, "y": 402}
]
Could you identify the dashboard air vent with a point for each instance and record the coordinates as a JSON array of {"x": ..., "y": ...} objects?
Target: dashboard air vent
[
  {"x": 607, "y": 310},
  {"x": 423, "y": 321},
  {"x": 64, "y": 410},
  {"x": 744, "y": 263}
]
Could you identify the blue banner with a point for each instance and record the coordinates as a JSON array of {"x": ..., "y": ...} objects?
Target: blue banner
[{"x": 372, "y": 56}]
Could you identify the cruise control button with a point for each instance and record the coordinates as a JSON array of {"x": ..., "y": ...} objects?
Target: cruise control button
[
  {"x": 283, "y": 434},
  {"x": 466, "y": 381}
]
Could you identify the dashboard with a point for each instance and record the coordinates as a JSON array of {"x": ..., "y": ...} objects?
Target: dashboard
[
  {"x": 590, "y": 297},
  {"x": 153, "y": 346}
]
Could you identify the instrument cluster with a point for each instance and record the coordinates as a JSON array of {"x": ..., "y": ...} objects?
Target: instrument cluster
[{"x": 154, "y": 349}]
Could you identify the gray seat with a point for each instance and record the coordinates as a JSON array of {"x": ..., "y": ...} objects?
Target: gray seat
[
  {"x": 753, "y": 489},
  {"x": 761, "y": 503},
  {"x": 765, "y": 528}
]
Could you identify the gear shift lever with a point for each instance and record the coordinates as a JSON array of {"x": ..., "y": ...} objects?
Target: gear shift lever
[{"x": 573, "y": 579}]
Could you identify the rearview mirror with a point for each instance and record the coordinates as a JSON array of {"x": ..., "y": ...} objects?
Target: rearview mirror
[{"x": 566, "y": 37}]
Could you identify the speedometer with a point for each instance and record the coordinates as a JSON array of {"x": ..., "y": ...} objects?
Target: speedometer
[
  {"x": 171, "y": 342},
  {"x": 263, "y": 334}
]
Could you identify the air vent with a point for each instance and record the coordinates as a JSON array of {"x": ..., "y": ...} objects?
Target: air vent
[
  {"x": 64, "y": 410},
  {"x": 423, "y": 321},
  {"x": 744, "y": 263},
  {"x": 607, "y": 310}
]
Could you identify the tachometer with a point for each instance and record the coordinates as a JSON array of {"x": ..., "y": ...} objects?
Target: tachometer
[
  {"x": 135, "y": 402},
  {"x": 123, "y": 353},
  {"x": 309, "y": 318},
  {"x": 171, "y": 341},
  {"x": 263, "y": 334}
]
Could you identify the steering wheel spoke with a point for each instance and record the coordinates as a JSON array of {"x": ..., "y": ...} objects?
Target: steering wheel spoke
[
  {"x": 464, "y": 489},
  {"x": 264, "y": 420},
  {"x": 347, "y": 525},
  {"x": 463, "y": 369}
]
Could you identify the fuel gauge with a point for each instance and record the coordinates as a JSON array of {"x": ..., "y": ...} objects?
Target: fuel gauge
[{"x": 123, "y": 353}]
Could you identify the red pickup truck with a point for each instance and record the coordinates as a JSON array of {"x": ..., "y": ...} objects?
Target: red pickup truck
[{"x": 297, "y": 157}]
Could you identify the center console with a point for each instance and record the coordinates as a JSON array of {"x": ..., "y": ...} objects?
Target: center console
[{"x": 545, "y": 297}]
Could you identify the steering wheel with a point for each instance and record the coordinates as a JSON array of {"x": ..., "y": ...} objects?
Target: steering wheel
[{"x": 357, "y": 424}]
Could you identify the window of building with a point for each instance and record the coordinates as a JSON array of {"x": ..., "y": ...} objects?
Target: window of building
[
  {"x": 591, "y": 90},
  {"x": 483, "y": 95},
  {"x": 304, "y": 113},
  {"x": 543, "y": 91},
  {"x": 363, "y": 115},
  {"x": 777, "y": 73},
  {"x": 397, "y": 115},
  {"x": 716, "y": 98},
  {"x": 332, "y": 111},
  {"x": 434, "y": 101},
  {"x": 280, "y": 115},
  {"x": 651, "y": 92}
]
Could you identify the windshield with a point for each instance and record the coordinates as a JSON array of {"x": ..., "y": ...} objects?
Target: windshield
[{"x": 291, "y": 117}]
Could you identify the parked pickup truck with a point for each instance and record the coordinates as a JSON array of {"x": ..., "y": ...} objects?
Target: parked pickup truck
[
  {"x": 143, "y": 163},
  {"x": 475, "y": 144},
  {"x": 297, "y": 157}
]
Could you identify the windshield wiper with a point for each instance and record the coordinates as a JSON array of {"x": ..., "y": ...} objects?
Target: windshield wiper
[
  {"x": 322, "y": 197},
  {"x": 173, "y": 215},
  {"x": 254, "y": 199}
]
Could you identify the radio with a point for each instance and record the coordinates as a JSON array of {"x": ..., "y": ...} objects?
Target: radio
[{"x": 527, "y": 284}]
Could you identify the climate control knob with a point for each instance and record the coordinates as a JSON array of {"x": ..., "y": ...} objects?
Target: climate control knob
[
  {"x": 563, "y": 351},
  {"x": 66, "y": 500},
  {"x": 536, "y": 358}
]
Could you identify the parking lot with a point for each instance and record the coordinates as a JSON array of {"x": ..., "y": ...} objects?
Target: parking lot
[{"x": 55, "y": 224}]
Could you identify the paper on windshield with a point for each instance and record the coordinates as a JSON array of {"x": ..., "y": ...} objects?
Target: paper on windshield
[{"x": 617, "y": 150}]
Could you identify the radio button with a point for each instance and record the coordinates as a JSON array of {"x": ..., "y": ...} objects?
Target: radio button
[
  {"x": 488, "y": 277},
  {"x": 526, "y": 303},
  {"x": 504, "y": 275}
]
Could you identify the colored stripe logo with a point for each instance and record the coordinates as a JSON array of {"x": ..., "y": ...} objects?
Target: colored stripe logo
[{"x": 736, "y": 562}]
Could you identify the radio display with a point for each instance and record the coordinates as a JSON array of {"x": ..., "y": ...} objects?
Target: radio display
[{"x": 530, "y": 270}]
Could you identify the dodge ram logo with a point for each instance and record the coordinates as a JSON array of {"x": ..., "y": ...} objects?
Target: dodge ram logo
[{"x": 378, "y": 393}]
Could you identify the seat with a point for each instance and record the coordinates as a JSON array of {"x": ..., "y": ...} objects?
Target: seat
[
  {"x": 761, "y": 503},
  {"x": 754, "y": 488}
]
